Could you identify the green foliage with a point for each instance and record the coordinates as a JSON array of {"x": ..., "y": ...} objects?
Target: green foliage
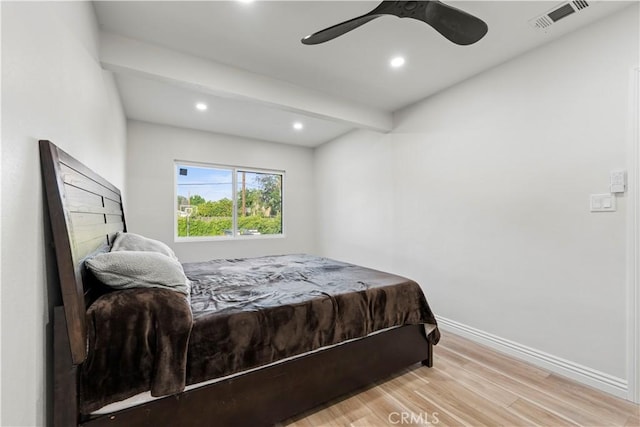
[
  {"x": 202, "y": 226},
  {"x": 265, "y": 200},
  {"x": 264, "y": 225},
  {"x": 271, "y": 192},
  {"x": 222, "y": 207},
  {"x": 197, "y": 200},
  {"x": 251, "y": 201}
]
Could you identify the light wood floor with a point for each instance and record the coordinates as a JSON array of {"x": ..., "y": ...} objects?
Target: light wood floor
[{"x": 471, "y": 385}]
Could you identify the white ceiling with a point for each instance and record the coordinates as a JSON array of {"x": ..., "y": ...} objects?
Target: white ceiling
[
  {"x": 246, "y": 61},
  {"x": 158, "y": 102}
]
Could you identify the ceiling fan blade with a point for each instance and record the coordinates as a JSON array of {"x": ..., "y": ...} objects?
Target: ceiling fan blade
[
  {"x": 456, "y": 25},
  {"x": 338, "y": 29}
]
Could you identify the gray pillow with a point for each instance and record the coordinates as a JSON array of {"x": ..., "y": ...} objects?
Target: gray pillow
[
  {"x": 136, "y": 242},
  {"x": 139, "y": 269}
]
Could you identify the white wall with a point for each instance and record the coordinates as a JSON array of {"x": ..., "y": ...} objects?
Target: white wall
[
  {"x": 152, "y": 150},
  {"x": 489, "y": 182},
  {"x": 52, "y": 88},
  {"x": 355, "y": 186}
]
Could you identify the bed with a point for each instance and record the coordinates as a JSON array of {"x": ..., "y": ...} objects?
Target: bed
[{"x": 335, "y": 327}]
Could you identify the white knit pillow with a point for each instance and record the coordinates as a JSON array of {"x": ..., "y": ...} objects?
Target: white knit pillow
[
  {"x": 136, "y": 242},
  {"x": 139, "y": 269}
]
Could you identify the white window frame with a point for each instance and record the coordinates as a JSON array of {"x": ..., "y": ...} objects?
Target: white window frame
[{"x": 234, "y": 193}]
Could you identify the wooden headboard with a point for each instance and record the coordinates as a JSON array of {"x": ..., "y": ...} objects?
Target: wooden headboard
[{"x": 85, "y": 211}]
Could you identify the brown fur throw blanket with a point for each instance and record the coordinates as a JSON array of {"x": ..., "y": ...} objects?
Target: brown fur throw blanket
[
  {"x": 253, "y": 311},
  {"x": 137, "y": 342}
]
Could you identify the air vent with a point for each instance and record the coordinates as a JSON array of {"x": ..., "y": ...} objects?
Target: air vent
[
  {"x": 580, "y": 4},
  {"x": 559, "y": 12}
]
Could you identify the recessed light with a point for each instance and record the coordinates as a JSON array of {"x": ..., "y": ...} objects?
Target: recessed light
[
  {"x": 246, "y": 1},
  {"x": 397, "y": 62},
  {"x": 201, "y": 106},
  {"x": 298, "y": 126}
]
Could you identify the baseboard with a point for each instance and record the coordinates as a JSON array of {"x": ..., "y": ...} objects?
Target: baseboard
[{"x": 583, "y": 374}]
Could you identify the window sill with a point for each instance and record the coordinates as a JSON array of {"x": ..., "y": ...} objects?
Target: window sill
[{"x": 228, "y": 238}]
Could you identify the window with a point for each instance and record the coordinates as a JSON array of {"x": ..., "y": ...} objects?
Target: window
[{"x": 219, "y": 201}]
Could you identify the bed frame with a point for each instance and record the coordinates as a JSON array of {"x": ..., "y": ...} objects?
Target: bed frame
[{"x": 85, "y": 212}]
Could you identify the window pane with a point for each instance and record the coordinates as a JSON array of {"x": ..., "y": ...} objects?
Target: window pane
[
  {"x": 205, "y": 201},
  {"x": 259, "y": 203}
]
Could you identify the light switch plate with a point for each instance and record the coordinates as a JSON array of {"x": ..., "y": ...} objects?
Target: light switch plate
[
  {"x": 603, "y": 202},
  {"x": 618, "y": 181}
]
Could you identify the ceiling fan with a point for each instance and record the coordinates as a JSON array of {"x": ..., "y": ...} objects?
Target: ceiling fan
[{"x": 454, "y": 24}]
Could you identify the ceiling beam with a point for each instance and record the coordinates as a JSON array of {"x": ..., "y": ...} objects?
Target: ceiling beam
[{"x": 129, "y": 56}]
